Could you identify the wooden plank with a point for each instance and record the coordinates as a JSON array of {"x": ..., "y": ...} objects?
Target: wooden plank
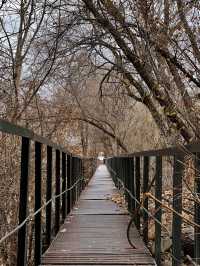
[
  {"x": 96, "y": 207},
  {"x": 95, "y": 231}
]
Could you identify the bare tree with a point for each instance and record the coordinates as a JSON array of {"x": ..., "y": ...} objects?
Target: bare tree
[
  {"x": 147, "y": 44},
  {"x": 30, "y": 45}
]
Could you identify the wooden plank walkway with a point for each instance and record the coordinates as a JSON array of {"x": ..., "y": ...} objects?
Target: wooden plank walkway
[{"x": 95, "y": 232}]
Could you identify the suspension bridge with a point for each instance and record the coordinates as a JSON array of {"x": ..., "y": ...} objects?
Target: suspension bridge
[{"x": 83, "y": 225}]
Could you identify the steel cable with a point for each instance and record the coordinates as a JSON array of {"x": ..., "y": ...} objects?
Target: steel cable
[
  {"x": 140, "y": 206},
  {"x": 148, "y": 195},
  {"x": 32, "y": 215}
]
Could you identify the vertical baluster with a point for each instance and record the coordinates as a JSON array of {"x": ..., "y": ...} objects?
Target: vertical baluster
[
  {"x": 76, "y": 178},
  {"x": 72, "y": 179},
  {"x": 48, "y": 195},
  {"x": 197, "y": 210},
  {"x": 158, "y": 210},
  {"x": 129, "y": 177},
  {"x": 79, "y": 176},
  {"x": 110, "y": 165},
  {"x": 23, "y": 197},
  {"x": 145, "y": 188},
  {"x": 68, "y": 183},
  {"x": 57, "y": 201},
  {"x": 132, "y": 184},
  {"x": 38, "y": 166},
  {"x": 64, "y": 210},
  {"x": 82, "y": 175},
  {"x": 112, "y": 161},
  {"x": 177, "y": 206},
  {"x": 137, "y": 187},
  {"x": 128, "y": 182},
  {"x": 114, "y": 169},
  {"x": 117, "y": 170},
  {"x": 121, "y": 171},
  {"x": 126, "y": 178}
]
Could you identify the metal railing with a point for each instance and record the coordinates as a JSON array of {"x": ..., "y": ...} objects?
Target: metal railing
[
  {"x": 133, "y": 171},
  {"x": 69, "y": 183}
]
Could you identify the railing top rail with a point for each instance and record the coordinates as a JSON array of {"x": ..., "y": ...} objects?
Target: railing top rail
[
  {"x": 180, "y": 149},
  {"x": 9, "y": 128}
]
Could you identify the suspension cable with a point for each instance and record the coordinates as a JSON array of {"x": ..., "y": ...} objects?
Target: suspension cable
[
  {"x": 141, "y": 206},
  {"x": 32, "y": 215},
  {"x": 145, "y": 195},
  {"x": 149, "y": 195}
]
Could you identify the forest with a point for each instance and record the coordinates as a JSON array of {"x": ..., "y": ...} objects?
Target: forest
[{"x": 109, "y": 76}]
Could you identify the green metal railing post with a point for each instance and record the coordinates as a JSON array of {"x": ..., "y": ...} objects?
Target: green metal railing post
[
  {"x": 177, "y": 206},
  {"x": 158, "y": 210}
]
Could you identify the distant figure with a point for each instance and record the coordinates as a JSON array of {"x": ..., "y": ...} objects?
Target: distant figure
[{"x": 100, "y": 158}]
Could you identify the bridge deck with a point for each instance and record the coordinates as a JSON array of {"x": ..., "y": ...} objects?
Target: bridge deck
[{"x": 95, "y": 232}]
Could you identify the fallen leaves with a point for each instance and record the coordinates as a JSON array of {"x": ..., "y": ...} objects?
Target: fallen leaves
[{"x": 118, "y": 199}]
